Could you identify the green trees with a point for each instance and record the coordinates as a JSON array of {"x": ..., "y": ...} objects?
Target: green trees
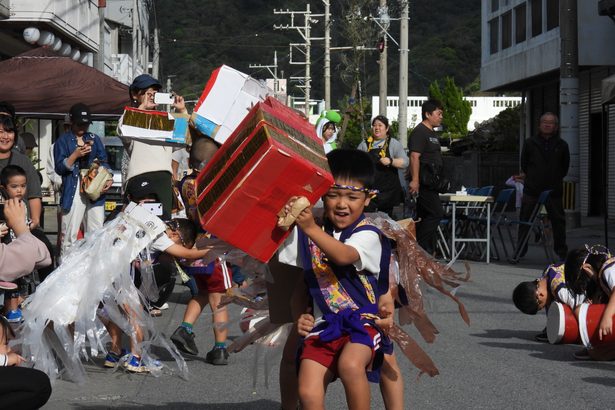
[{"x": 456, "y": 110}]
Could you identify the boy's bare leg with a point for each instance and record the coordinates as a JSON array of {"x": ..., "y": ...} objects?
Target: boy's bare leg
[
  {"x": 313, "y": 381},
  {"x": 351, "y": 367},
  {"x": 195, "y": 307},
  {"x": 392, "y": 384},
  {"x": 220, "y": 319},
  {"x": 115, "y": 333}
]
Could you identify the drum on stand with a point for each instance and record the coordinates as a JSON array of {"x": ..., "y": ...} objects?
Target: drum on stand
[
  {"x": 589, "y": 324},
  {"x": 562, "y": 326}
]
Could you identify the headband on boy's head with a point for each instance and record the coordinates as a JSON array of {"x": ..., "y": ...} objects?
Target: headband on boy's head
[
  {"x": 598, "y": 250},
  {"x": 370, "y": 192}
]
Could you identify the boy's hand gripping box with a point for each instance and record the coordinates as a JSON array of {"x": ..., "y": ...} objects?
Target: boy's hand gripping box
[{"x": 273, "y": 155}]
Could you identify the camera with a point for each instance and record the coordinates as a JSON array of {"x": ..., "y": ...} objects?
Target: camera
[{"x": 164, "y": 98}]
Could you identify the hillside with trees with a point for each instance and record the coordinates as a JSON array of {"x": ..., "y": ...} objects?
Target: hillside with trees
[{"x": 196, "y": 37}]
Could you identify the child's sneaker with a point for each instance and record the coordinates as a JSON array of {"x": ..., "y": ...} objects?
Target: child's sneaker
[
  {"x": 217, "y": 356},
  {"x": 14, "y": 316},
  {"x": 135, "y": 364},
  {"x": 7, "y": 285},
  {"x": 113, "y": 359},
  {"x": 184, "y": 341}
]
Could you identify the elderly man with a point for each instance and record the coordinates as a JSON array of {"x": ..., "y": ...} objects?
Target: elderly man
[{"x": 544, "y": 161}]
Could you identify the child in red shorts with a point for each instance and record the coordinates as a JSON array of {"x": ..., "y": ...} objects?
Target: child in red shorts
[
  {"x": 212, "y": 279},
  {"x": 342, "y": 262}
]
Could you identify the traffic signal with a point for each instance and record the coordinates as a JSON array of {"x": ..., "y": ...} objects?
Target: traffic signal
[{"x": 380, "y": 44}]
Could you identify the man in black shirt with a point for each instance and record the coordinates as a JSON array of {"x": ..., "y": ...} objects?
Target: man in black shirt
[
  {"x": 544, "y": 161},
  {"x": 424, "y": 148}
]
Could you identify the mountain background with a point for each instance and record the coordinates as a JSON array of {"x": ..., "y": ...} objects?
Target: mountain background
[{"x": 198, "y": 36}]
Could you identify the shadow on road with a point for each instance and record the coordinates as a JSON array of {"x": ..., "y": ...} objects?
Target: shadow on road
[
  {"x": 507, "y": 334},
  {"x": 254, "y": 405}
]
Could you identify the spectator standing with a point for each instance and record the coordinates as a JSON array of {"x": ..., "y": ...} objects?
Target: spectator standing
[
  {"x": 388, "y": 156},
  {"x": 74, "y": 151},
  {"x": 545, "y": 159},
  {"x": 150, "y": 162},
  {"x": 424, "y": 148}
]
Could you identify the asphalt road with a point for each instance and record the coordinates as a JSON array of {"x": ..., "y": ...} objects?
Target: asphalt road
[{"x": 492, "y": 364}]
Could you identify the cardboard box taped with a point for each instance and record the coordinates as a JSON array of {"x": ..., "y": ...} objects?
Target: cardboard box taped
[
  {"x": 273, "y": 155},
  {"x": 226, "y": 100},
  {"x": 157, "y": 127}
]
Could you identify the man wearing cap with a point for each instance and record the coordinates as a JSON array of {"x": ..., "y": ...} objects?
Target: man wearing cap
[
  {"x": 149, "y": 162},
  {"x": 74, "y": 151}
]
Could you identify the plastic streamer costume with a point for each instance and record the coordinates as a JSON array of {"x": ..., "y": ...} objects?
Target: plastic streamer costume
[
  {"x": 63, "y": 318},
  {"x": 416, "y": 266}
]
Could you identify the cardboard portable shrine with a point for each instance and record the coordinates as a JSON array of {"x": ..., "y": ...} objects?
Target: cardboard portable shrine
[
  {"x": 273, "y": 155},
  {"x": 226, "y": 100},
  {"x": 153, "y": 126}
]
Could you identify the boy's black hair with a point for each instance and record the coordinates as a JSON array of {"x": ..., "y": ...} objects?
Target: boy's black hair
[
  {"x": 576, "y": 279},
  {"x": 187, "y": 230},
  {"x": 430, "y": 106},
  {"x": 10, "y": 171},
  {"x": 352, "y": 165},
  {"x": 524, "y": 297}
]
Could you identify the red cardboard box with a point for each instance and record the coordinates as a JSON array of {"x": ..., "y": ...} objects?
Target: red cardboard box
[{"x": 254, "y": 174}]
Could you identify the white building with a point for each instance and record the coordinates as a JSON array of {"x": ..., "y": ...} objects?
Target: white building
[
  {"x": 521, "y": 51},
  {"x": 483, "y": 108}
]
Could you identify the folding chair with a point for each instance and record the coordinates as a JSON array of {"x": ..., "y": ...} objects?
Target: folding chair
[{"x": 536, "y": 223}]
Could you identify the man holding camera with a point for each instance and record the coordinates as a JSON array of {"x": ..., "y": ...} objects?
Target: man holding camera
[{"x": 424, "y": 148}]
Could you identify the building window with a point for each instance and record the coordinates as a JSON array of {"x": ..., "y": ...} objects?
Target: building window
[
  {"x": 494, "y": 5},
  {"x": 520, "y": 24},
  {"x": 506, "y": 30},
  {"x": 494, "y": 35},
  {"x": 552, "y": 14},
  {"x": 536, "y": 17}
]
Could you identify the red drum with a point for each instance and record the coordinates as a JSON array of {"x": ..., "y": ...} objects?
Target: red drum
[
  {"x": 589, "y": 324},
  {"x": 562, "y": 326}
]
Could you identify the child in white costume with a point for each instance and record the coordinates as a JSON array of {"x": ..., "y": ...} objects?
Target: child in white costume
[{"x": 94, "y": 272}]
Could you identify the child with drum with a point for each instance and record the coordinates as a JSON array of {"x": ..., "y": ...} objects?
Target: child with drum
[
  {"x": 531, "y": 296},
  {"x": 591, "y": 272}
]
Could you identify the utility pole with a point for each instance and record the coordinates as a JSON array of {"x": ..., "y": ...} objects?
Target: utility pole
[
  {"x": 403, "y": 76},
  {"x": 383, "y": 11},
  {"x": 156, "y": 56},
  {"x": 273, "y": 70},
  {"x": 100, "y": 63},
  {"x": 569, "y": 106},
  {"x": 135, "y": 34},
  {"x": 304, "y": 48},
  {"x": 327, "y": 54}
]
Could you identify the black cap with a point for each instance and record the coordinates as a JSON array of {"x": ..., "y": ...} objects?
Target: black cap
[
  {"x": 80, "y": 114},
  {"x": 145, "y": 81},
  {"x": 141, "y": 187}
]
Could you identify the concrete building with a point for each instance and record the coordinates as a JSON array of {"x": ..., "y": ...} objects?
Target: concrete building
[
  {"x": 483, "y": 108},
  {"x": 527, "y": 47}
]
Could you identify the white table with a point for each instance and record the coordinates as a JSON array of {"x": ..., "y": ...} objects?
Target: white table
[{"x": 477, "y": 202}]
